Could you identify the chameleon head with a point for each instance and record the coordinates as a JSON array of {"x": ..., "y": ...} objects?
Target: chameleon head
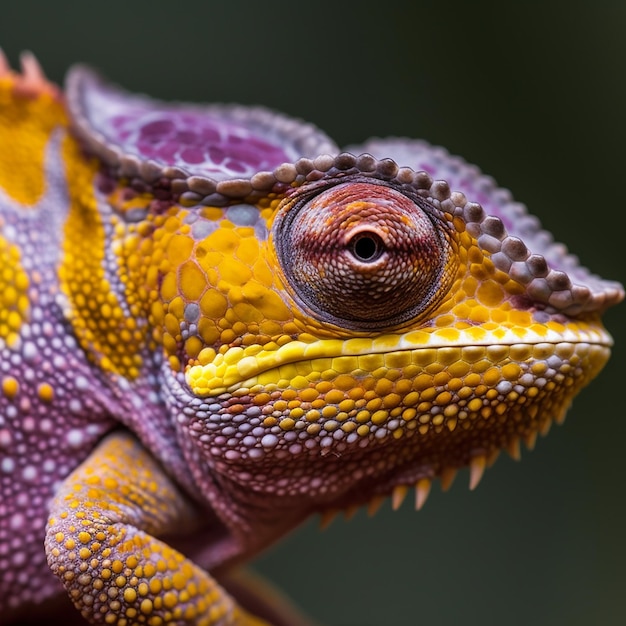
[
  {"x": 335, "y": 328},
  {"x": 375, "y": 339}
]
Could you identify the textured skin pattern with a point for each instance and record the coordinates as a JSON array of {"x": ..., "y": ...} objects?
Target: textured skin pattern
[{"x": 214, "y": 324}]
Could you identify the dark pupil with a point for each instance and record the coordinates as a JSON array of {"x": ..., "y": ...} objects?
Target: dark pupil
[{"x": 366, "y": 248}]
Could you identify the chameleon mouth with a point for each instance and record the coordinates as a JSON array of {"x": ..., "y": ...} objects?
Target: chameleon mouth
[{"x": 293, "y": 363}]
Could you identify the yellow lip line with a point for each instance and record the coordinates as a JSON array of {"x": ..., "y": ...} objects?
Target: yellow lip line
[{"x": 237, "y": 365}]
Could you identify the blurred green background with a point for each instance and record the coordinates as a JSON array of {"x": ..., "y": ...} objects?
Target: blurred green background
[{"x": 535, "y": 95}]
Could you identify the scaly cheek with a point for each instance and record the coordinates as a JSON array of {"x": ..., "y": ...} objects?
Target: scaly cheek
[
  {"x": 427, "y": 409},
  {"x": 211, "y": 282}
]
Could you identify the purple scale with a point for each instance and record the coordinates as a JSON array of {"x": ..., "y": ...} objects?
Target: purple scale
[
  {"x": 157, "y": 129},
  {"x": 209, "y": 134},
  {"x": 216, "y": 154},
  {"x": 235, "y": 140},
  {"x": 247, "y": 155},
  {"x": 193, "y": 156},
  {"x": 235, "y": 166},
  {"x": 187, "y": 137},
  {"x": 166, "y": 152}
]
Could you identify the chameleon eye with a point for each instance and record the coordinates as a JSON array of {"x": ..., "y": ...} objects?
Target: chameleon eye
[{"x": 363, "y": 254}]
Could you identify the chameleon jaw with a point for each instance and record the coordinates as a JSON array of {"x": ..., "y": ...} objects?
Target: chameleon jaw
[
  {"x": 421, "y": 487},
  {"x": 360, "y": 420}
]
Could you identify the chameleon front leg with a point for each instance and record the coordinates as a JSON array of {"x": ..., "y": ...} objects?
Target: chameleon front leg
[{"x": 101, "y": 543}]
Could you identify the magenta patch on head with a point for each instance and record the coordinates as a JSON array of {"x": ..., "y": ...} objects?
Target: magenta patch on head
[
  {"x": 200, "y": 144},
  {"x": 219, "y": 142}
]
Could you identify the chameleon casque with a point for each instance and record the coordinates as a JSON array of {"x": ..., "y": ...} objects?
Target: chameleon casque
[{"x": 214, "y": 324}]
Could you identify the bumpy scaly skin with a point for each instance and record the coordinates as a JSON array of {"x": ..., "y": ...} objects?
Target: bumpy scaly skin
[
  {"x": 107, "y": 544},
  {"x": 214, "y": 324}
]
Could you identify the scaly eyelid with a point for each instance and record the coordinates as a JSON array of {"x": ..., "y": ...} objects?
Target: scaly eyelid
[{"x": 405, "y": 268}]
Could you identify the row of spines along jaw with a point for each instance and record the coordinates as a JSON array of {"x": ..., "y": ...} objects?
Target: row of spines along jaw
[{"x": 477, "y": 466}]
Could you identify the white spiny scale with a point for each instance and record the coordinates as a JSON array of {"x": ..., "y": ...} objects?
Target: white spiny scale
[
  {"x": 327, "y": 518},
  {"x": 559, "y": 418},
  {"x": 350, "y": 512},
  {"x": 397, "y": 496},
  {"x": 422, "y": 489},
  {"x": 530, "y": 440},
  {"x": 493, "y": 457},
  {"x": 477, "y": 469},
  {"x": 374, "y": 504},
  {"x": 448, "y": 474},
  {"x": 513, "y": 448},
  {"x": 545, "y": 427}
]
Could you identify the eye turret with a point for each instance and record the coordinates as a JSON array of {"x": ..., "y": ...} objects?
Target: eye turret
[{"x": 363, "y": 254}]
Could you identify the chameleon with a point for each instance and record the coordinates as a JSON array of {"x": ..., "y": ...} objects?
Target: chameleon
[{"x": 215, "y": 323}]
